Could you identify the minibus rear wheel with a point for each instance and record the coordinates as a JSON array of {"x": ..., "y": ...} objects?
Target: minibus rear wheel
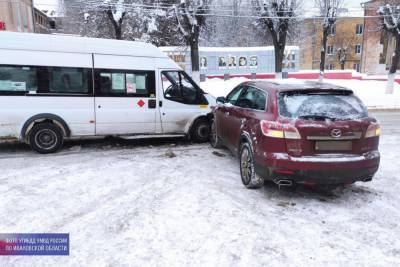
[
  {"x": 201, "y": 131},
  {"x": 46, "y": 138}
]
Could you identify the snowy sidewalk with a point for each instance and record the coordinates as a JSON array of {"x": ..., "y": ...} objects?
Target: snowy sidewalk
[{"x": 372, "y": 93}]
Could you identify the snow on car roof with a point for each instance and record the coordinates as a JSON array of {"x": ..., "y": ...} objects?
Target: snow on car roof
[
  {"x": 293, "y": 84},
  {"x": 74, "y": 44}
]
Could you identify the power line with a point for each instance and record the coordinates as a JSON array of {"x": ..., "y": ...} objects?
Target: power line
[{"x": 181, "y": 11}]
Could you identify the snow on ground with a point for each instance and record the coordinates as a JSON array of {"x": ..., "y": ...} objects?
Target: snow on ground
[
  {"x": 135, "y": 205},
  {"x": 372, "y": 93}
]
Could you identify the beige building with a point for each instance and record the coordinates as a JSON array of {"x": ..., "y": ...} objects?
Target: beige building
[
  {"x": 43, "y": 23},
  {"x": 16, "y": 15},
  {"x": 346, "y": 38}
]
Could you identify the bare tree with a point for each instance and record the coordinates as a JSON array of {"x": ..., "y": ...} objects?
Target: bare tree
[
  {"x": 114, "y": 19},
  {"x": 116, "y": 12},
  {"x": 329, "y": 11},
  {"x": 165, "y": 30},
  {"x": 277, "y": 16},
  {"x": 390, "y": 20},
  {"x": 190, "y": 16}
]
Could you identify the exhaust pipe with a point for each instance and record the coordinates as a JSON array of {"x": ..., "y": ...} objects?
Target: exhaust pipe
[{"x": 284, "y": 183}]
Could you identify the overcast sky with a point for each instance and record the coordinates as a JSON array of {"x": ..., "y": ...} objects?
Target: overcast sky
[{"x": 45, "y": 4}]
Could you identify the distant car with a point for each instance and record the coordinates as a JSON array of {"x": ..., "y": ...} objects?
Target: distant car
[{"x": 311, "y": 133}]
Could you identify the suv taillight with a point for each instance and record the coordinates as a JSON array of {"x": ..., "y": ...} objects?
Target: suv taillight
[
  {"x": 279, "y": 130},
  {"x": 373, "y": 130}
]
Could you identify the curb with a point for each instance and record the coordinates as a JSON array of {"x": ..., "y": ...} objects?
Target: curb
[{"x": 383, "y": 109}]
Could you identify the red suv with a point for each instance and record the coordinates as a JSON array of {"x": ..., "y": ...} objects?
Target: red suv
[{"x": 311, "y": 133}]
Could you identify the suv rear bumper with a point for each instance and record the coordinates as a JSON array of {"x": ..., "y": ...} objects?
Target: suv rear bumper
[{"x": 320, "y": 169}]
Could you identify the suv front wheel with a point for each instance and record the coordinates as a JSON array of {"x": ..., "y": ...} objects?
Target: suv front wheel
[
  {"x": 249, "y": 177},
  {"x": 215, "y": 141}
]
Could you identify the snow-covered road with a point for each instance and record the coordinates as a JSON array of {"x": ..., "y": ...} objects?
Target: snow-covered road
[{"x": 137, "y": 205}]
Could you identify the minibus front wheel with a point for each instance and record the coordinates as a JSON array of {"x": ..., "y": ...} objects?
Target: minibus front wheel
[
  {"x": 46, "y": 138},
  {"x": 201, "y": 130}
]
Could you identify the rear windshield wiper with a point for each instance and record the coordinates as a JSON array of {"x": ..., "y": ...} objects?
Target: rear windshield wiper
[{"x": 317, "y": 117}]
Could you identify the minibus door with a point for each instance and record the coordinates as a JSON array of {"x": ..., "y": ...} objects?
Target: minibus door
[
  {"x": 125, "y": 102},
  {"x": 181, "y": 100}
]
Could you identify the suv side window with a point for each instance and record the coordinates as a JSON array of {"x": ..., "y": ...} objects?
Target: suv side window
[
  {"x": 233, "y": 96},
  {"x": 253, "y": 99}
]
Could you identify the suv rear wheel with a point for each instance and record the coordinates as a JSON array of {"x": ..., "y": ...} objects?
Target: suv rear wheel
[
  {"x": 46, "y": 138},
  {"x": 249, "y": 177}
]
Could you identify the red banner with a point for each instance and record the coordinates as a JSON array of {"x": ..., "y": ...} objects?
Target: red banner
[{"x": 2, "y": 26}]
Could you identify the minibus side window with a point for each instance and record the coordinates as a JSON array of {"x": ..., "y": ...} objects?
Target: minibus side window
[
  {"x": 125, "y": 83},
  {"x": 179, "y": 87},
  {"x": 18, "y": 79},
  {"x": 69, "y": 80},
  {"x": 44, "y": 80}
]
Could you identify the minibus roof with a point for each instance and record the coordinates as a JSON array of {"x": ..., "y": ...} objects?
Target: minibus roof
[{"x": 74, "y": 44}]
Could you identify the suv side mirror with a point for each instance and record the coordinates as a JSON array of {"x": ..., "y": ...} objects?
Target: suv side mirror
[{"x": 221, "y": 100}]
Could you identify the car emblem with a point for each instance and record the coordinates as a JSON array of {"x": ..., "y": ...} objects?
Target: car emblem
[{"x": 336, "y": 133}]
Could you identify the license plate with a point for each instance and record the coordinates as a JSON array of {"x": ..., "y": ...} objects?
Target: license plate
[{"x": 333, "y": 145}]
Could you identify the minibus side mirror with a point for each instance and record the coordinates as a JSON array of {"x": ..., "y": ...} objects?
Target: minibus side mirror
[{"x": 221, "y": 100}]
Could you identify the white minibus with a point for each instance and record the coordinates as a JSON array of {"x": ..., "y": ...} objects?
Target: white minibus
[{"x": 56, "y": 87}]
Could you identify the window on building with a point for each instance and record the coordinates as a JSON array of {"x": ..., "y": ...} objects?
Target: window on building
[
  {"x": 357, "y": 67},
  {"x": 17, "y": 15},
  {"x": 358, "y": 49},
  {"x": 24, "y": 15},
  {"x": 382, "y": 58},
  {"x": 125, "y": 83},
  {"x": 329, "y": 50},
  {"x": 332, "y": 30},
  {"x": 330, "y": 67},
  {"x": 359, "y": 29}
]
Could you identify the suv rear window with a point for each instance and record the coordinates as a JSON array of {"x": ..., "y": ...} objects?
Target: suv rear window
[{"x": 321, "y": 105}]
